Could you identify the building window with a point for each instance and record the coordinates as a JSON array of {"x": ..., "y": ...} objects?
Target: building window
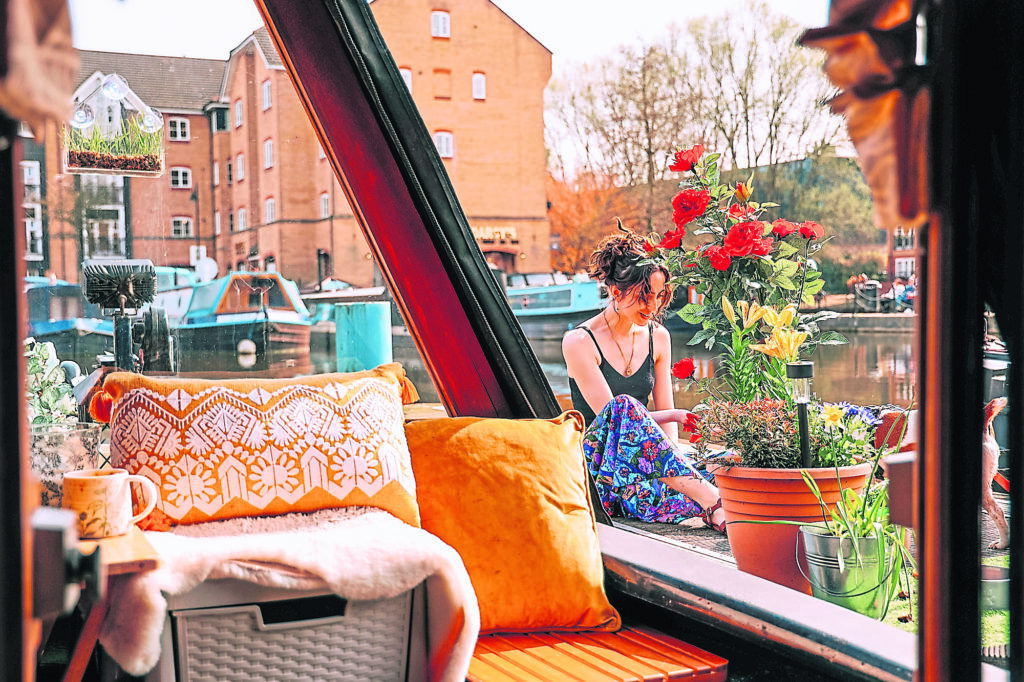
[
  {"x": 903, "y": 239},
  {"x": 266, "y": 95},
  {"x": 220, "y": 120},
  {"x": 406, "y": 76},
  {"x": 325, "y": 206},
  {"x": 240, "y": 167},
  {"x": 230, "y": 171},
  {"x": 216, "y": 222},
  {"x": 30, "y": 172},
  {"x": 216, "y": 174},
  {"x": 270, "y": 264},
  {"x": 440, "y": 24},
  {"x": 238, "y": 113},
  {"x": 445, "y": 143},
  {"x": 181, "y": 227},
  {"x": 241, "y": 220},
  {"x": 479, "y": 86},
  {"x": 33, "y": 231},
  {"x": 904, "y": 267},
  {"x": 181, "y": 177},
  {"x": 231, "y": 221},
  {"x": 268, "y": 153},
  {"x": 269, "y": 211},
  {"x": 177, "y": 129}
]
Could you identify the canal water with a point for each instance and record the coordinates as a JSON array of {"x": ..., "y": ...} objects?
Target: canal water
[{"x": 872, "y": 369}]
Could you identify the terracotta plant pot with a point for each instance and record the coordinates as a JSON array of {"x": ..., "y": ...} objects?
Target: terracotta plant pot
[{"x": 752, "y": 494}]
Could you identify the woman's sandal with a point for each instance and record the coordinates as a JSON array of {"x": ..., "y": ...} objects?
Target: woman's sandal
[{"x": 710, "y": 512}]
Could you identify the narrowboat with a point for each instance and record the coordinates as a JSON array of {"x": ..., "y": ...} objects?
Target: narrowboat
[
  {"x": 244, "y": 321},
  {"x": 58, "y": 313},
  {"x": 548, "y": 304},
  {"x": 933, "y": 136}
]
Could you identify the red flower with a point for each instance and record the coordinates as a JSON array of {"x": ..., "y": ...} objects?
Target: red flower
[
  {"x": 739, "y": 241},
  {"x": 684, "y": 369},
  {"x": 690, "y": 423},
  {"x": 101, "y": 406},
  {"x": 740, "y": 211},
  {"x": 762, "y": 247},
  {"x": 688, "y": 205},
  {"x": 673, "y": 238},
  {"x": 648, "y": 247},
  {"x": 783, "y": 228},
  {"x": 685, "y": 159},
  {"x": 811, "y": 230},
  {"x": 719, "y": 259}
]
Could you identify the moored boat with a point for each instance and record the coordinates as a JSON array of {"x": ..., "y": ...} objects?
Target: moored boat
[
  {"x": 244, "y": 321},
  {"x": 551, "y": 303},
  {"x": 58, "y": 313}
]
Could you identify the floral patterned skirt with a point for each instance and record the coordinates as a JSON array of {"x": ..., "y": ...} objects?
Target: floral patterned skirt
[{"x": 627, "y": 452}]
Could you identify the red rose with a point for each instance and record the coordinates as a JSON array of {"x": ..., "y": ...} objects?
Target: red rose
[
  {"x": 762, "y": 247},
  {"x": 673, "y": 238},
  {"x": 740, "y": 211},
  {"x": 684, "y": 160},
  {"x": 811, "y": 230},
  {"x": 688, "y": 205},
  {"x": 718, "y": 257},
  {"x": 783, "y": 228},
  {"x": 684, "y": 368},
  {"x": 739, "y": 241}
]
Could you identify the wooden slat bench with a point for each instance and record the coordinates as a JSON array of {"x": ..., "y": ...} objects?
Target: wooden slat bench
[{"x": 637, "y": 654}]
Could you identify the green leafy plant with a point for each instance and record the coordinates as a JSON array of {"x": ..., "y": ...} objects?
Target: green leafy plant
[
  {"x": 50, "y": 397},
  {"x": 745, "y": 262}
]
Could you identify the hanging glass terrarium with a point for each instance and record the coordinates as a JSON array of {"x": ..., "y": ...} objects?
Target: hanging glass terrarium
[{"x": 112, "y": 131}]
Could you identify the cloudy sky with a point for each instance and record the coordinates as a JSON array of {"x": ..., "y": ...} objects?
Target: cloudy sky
[{"x": 574, "y": 30}]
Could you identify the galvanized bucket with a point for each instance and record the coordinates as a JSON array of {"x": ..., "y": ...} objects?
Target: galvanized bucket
[{"x": 859, "y": 586}]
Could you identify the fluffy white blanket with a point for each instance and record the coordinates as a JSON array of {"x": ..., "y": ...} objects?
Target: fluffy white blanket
[{"x": 359, "y": 553}]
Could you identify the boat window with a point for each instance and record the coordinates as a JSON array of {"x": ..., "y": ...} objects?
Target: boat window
[{"x": 537, "y": 173}]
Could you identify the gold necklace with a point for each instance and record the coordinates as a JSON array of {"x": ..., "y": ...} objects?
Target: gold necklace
[{"x": 632, "y": 346}]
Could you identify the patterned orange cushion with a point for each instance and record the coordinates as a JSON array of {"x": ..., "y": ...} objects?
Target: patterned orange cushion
[
  {"x": 218, "y": 449},
  {"x": 511, "y": 497}
]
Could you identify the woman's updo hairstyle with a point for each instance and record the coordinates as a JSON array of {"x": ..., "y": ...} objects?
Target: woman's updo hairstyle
[{"x": 619, "y": 261}]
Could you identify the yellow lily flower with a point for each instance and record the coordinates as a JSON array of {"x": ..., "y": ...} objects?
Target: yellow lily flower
[
  {"x": 832, "y": 415},
  {"x": 782, "y": 318},
  {"x": 783, "y": 344},
  {"x": 752, "y": 312},
  {"x": 730, "y": 314}
]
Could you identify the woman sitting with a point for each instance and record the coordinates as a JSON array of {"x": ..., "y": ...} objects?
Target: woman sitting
[{"x": 615, "y": 361}]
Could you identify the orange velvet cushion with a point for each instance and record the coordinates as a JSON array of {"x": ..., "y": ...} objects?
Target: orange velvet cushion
[
  {"x": 511, "y": 497},
  {"x": 218, "y": 449}
]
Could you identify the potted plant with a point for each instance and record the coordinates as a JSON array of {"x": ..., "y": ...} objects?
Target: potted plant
[
  {"x": 753, "y": 275},
  {"x": 59, "y": 442}
]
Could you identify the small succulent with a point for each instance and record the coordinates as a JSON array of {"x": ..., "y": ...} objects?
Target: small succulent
[{"x": 49, "y": 392}]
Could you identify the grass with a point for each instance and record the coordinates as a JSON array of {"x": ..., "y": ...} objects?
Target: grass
[{"x": 995, "y": 625}]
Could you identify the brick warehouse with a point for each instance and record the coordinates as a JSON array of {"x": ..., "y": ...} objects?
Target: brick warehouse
[{"x": 246, "y": 181}]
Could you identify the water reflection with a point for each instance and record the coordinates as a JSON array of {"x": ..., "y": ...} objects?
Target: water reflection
[{"x": 873, "y": 369}]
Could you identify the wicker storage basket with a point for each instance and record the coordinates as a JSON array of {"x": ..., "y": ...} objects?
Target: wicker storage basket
[{"x": 280, "y": 635}]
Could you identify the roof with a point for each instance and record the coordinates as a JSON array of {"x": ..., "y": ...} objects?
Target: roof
[{"x": 182, "y": 84}]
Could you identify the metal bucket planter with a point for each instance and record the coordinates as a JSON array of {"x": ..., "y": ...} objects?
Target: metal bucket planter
[{"x": 860, "y": 586}]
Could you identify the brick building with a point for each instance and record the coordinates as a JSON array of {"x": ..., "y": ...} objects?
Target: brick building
[{"x": 246, "y": 181}]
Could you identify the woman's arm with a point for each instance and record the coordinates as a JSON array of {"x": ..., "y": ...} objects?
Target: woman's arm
[{"x": 582, "y": 360}]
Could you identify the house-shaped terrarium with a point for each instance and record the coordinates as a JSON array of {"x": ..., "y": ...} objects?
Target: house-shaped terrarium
[{"x": 112, "y": 131}]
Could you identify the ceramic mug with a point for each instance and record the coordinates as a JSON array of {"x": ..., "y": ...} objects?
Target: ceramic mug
[{"x": 102, "y": 501}]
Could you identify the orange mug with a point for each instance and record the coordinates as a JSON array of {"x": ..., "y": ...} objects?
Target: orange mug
[{"x": 102, "y": 501}]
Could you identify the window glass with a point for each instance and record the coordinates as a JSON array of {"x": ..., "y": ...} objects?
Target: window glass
[
  {"x": 177, "y": 129},
  {"x": 268, "y": 153},
  {"x": 238, "y": 113},
  {"x": 479, "y": 86},
  {"x": 216, "y": 223},
  {"x": 269, "y": 211},
  {"x": 181, "y": 177},
  {"x": 181, "y": 227},
  {"x": 440, "y": 24},
  {"x": 445, "y": 143},
  {"x": 266, "y": 95},
  {"x": 325, "y": 206},
  {"x": 240, "y": 167},
  {"x": 240, "y": 222}
]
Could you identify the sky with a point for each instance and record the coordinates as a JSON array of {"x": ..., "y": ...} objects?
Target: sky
[{"x": 574, "y": 30}]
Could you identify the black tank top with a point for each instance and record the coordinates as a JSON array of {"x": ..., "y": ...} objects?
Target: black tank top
[{"x": 638, "y": 385}]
